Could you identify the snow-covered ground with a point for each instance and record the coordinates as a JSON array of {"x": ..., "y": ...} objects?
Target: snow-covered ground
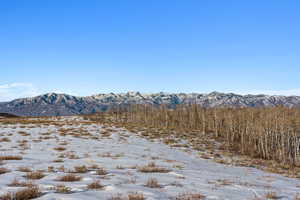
[{"x": 122, "y": 154}]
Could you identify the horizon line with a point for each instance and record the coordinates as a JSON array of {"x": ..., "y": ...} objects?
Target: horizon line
[{"x": 161, "y": 92}]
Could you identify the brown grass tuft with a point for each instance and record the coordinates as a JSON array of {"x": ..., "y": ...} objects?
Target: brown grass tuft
[
  {"x": 24, "y": 194},
  {"x": 136, "y": 196},
  {"x": 5, "y": 139},
  {"x": 153, "y": 168},
  {"x": 116, "y": 197},
  {"x": 24, "y": 169},
  {"x": 189, "y": 196},
  {"x": 11, "y": 158},
  {"x": 130, "y": 196},
  {"x": 62, "y": 189},
  {"x": 80, "y": 169},
  {"x": 271, "y": 195},
  {"x": 153, "y": 183},
  {"x": 101, "y": 172},
  {"x": 35, "y": 175},
  {"x": 96, "y": 185},
  {"x": 3, "y": 170},
  {"x": 17, "y": 183},
  {"x": 60, "y": 148},
  {"x": 58, "y": 160},
  {"x": 69, "y": 178}
]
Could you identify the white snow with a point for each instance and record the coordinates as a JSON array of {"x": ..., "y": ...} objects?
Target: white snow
[{"x": 119, "y": 154}]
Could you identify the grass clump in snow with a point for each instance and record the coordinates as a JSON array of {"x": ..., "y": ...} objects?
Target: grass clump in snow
[
  {"x": 80, "y": 169},
  {"x": 69, "y": 178},
  {"x": 17, "y": 183},
  {"x": 130, "y": 196},
  {"x": 60, "y": 148},
  {"x": 35, "y": 175},
  {"x": 5, "y": 139},
  {"x": 189, "y": 196},
  {"x": 271, "y": 195},
  {"x": 58, "y": 160},
  {"x": 153, "y": 183},
  {"x": 24, "y": 169},
  {"x": 136, "y": 196},
  {"x": 101, "y": 172},
  {"x": 62, "y": 189},
  {"x": 11, "y": 158},
  {"x": 24, "y": 194},
  {"x": 153, "y": 168},
  {"x": 96, "y": 185},
  {"x": 4, "y": 170}
]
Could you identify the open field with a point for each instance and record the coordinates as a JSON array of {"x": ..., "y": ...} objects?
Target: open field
[
  {"x": 267, "y": 138},
  {"x": 73, "y": 158}
]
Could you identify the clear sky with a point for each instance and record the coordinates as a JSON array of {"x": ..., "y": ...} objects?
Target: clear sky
[{"x": 100, "y": 46}]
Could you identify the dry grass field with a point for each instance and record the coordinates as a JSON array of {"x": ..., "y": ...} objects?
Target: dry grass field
[
  {"x": 87, "y": 157},
  {"x": 266, "y": 138}
]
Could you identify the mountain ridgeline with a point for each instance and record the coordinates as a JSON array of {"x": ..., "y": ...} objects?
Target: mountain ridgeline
[{"x": 53, "y": 104}]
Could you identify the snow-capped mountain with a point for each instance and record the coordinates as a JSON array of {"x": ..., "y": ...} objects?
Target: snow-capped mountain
[{"x": 53, "y": 104}]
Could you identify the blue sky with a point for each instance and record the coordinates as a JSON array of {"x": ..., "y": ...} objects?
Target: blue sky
[{"x": 97, "y": 46}]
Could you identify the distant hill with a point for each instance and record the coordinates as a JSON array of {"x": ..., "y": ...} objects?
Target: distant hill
[
  {"x": 7, "y": 115},
  {"x": 53, "y": 104}
]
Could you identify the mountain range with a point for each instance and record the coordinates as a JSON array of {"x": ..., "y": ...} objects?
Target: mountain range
[{"x": 53, "y": 104}]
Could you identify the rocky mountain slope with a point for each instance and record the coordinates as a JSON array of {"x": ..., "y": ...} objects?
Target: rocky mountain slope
[{"x": 53, "y": 104}]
